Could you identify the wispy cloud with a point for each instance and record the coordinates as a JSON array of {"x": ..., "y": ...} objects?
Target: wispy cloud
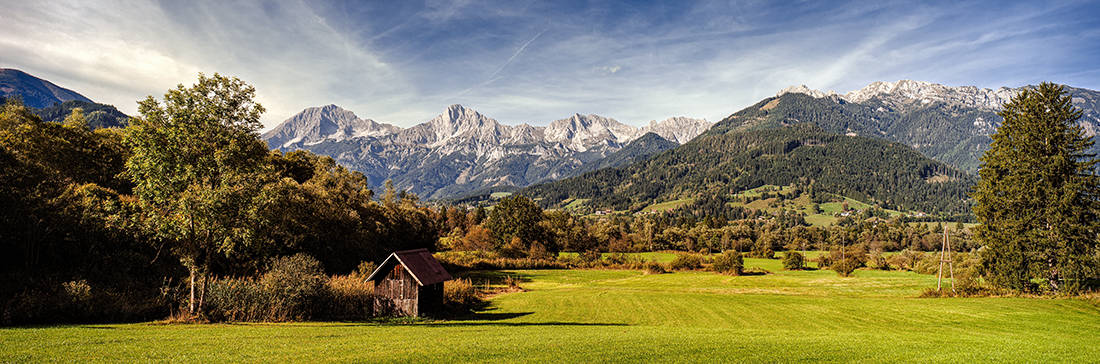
[
  {"x": 404, "y": 62},
  {"x": 514, "y": 56}
]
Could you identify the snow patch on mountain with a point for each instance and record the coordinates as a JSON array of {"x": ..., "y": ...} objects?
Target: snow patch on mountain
[{"x": 925, "y": 92}]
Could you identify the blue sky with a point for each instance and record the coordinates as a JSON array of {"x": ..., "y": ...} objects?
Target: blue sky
[{"x": 404, "y": 62}]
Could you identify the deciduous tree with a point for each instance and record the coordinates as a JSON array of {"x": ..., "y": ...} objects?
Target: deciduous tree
[{"x": 195, "y": 163}]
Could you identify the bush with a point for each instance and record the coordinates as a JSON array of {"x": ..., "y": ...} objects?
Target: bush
[
  {"x": 846, "y": 260},
  {"x": 295, "y": 279},
  {"x": 684, "y": 261},
  {"x": 845, "y": 267},
  {"x": 349, "y": 297},
  {"x": 653, "y": 267},
  {"x": 907, "y": 259},
  {"x": 457, "y": 261},
  {"x": 459, "y": 296},
  {"x": 730, "y": 262},
  {"x": 293, "y": 288},
  {"x": 793, "y": 261},
  {"x": 878, "y": 261}
]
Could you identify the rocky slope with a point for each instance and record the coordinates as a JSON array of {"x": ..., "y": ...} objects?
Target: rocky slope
[{"x": 462, "y": 150}]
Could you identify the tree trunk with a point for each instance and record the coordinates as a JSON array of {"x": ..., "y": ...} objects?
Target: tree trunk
[
  {"x": 1053, "y": 277},
  {"x": 191, "y": 304},
  {"x": 202, "y": 293}
]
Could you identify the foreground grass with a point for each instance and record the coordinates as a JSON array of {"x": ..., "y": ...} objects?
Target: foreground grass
[{"x": 623, "y": 316}]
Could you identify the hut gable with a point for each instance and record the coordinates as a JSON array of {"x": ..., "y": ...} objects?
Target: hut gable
[{"x": 409, "y": 283}]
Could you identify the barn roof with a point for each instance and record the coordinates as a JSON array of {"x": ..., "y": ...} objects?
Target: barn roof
[{"x": 419, "y": 263}]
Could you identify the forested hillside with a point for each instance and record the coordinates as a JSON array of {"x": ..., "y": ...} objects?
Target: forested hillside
[
  {"x": 950, "y": 133},
  {"x": 97, "y": 115},
  {"x": 638, "y": 150},
  {"x": 722, "y": 164}
]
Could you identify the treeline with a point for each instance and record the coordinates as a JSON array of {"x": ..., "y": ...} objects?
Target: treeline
[
  {"x": 81, "y": 238},
  {"x": 870, "y": 170},
  {"x": 96, "y": 115},
  {"x": 517, "y": 228}
]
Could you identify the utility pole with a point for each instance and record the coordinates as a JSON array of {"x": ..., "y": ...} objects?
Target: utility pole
[{"x": 946, "y": 249}]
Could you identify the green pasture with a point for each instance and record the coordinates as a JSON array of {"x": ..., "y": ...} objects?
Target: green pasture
[
  {"x": 575, "y": 204},
  {"x": 625, "y": 316},
  {"x": 665, "y": 206}
]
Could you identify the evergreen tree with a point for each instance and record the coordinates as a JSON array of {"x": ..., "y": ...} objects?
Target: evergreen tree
[
  {"x": 516, "y": 216},
  {"x": 1037, "y": 198}
]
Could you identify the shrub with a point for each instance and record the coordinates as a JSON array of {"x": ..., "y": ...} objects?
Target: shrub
[
  {"x": 456, "y": 261},
  {"x": 876, "y": 259},
  {"x": 823, "y": 261},
  {"x": 847, "y": 259},
  {"x": 906, "y": 260},
  {"x": 295, "y": 281},
  {"x": 365, "y": 269},
  {"x": 730, "y": 262},
  {"x": 653, "y": 267},
  {"x": 845, "y": 267},
  {"x": 294, "y": 288},
  {"x": 793, "y": 261},
  {"x": 459, "y": 296},
  {"x": 684, "y": 261},
  {"x": 349, "y": 297}
]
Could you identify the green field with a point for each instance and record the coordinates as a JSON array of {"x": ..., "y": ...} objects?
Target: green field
[
  {"x": 667, "y": 206},
  {"x": 624, "y": 316}
]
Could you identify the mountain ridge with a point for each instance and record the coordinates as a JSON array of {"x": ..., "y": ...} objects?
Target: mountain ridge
[
  {"x": 35, "y": 92},
  {"x": 462, "y": 150},
  {"x": 949, "y": 124}
]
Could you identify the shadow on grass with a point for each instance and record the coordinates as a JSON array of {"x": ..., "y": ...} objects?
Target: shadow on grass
[{"x": 489, "y": 318}]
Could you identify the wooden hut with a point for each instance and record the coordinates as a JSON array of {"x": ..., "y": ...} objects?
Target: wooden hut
[{"x": 409, "y": 283}]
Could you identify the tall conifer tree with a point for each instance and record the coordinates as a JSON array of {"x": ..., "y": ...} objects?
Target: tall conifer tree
[{"x": 1037, "y": 198}]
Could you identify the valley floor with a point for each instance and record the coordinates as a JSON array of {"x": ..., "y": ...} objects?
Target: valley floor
[{"x": 624, "y": 316}]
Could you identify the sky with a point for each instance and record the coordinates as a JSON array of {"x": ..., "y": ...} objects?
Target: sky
[{"x": 404, "y": 62}]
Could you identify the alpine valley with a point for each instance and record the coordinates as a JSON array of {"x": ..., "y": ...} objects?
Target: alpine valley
[
  {"x": 462, "y": 151},
  {"x": 906, "y": 145}
]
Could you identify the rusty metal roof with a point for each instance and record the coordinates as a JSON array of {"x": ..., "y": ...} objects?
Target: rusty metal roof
[{"x": 419, "y": 263}]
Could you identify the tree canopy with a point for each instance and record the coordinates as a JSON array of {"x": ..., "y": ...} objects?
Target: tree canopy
[
  {"x": 195, "y": 166},
  {"x": 1037, "y": 199}
]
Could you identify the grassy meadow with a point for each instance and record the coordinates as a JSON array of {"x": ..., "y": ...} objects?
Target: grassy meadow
[{"x": 625, "y": 316}]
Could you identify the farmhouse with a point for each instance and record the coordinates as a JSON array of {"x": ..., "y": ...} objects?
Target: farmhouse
[{"x": 409, "y": 283}]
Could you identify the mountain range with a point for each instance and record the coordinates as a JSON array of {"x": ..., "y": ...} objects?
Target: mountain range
[
  {"x": 949, "y": 124},
  {"x": 461, "y": 150},
  {"x": 903, "y": 144}
]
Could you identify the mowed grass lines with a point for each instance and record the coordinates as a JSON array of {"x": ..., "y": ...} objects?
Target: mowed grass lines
[{"x": 624, "y": 316}]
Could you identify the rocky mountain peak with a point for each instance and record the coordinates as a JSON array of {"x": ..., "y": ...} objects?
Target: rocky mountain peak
[
  {"x": 678, "y": 129},
  {"x": 804, "y": 90},
  {"x": 317, "y": 124},
  {"x": 905, "y": 90},
  {"x": 927, "y": 92},
  {"x": 458, "y": 122},
  {"x": 582, "y": 132}
]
